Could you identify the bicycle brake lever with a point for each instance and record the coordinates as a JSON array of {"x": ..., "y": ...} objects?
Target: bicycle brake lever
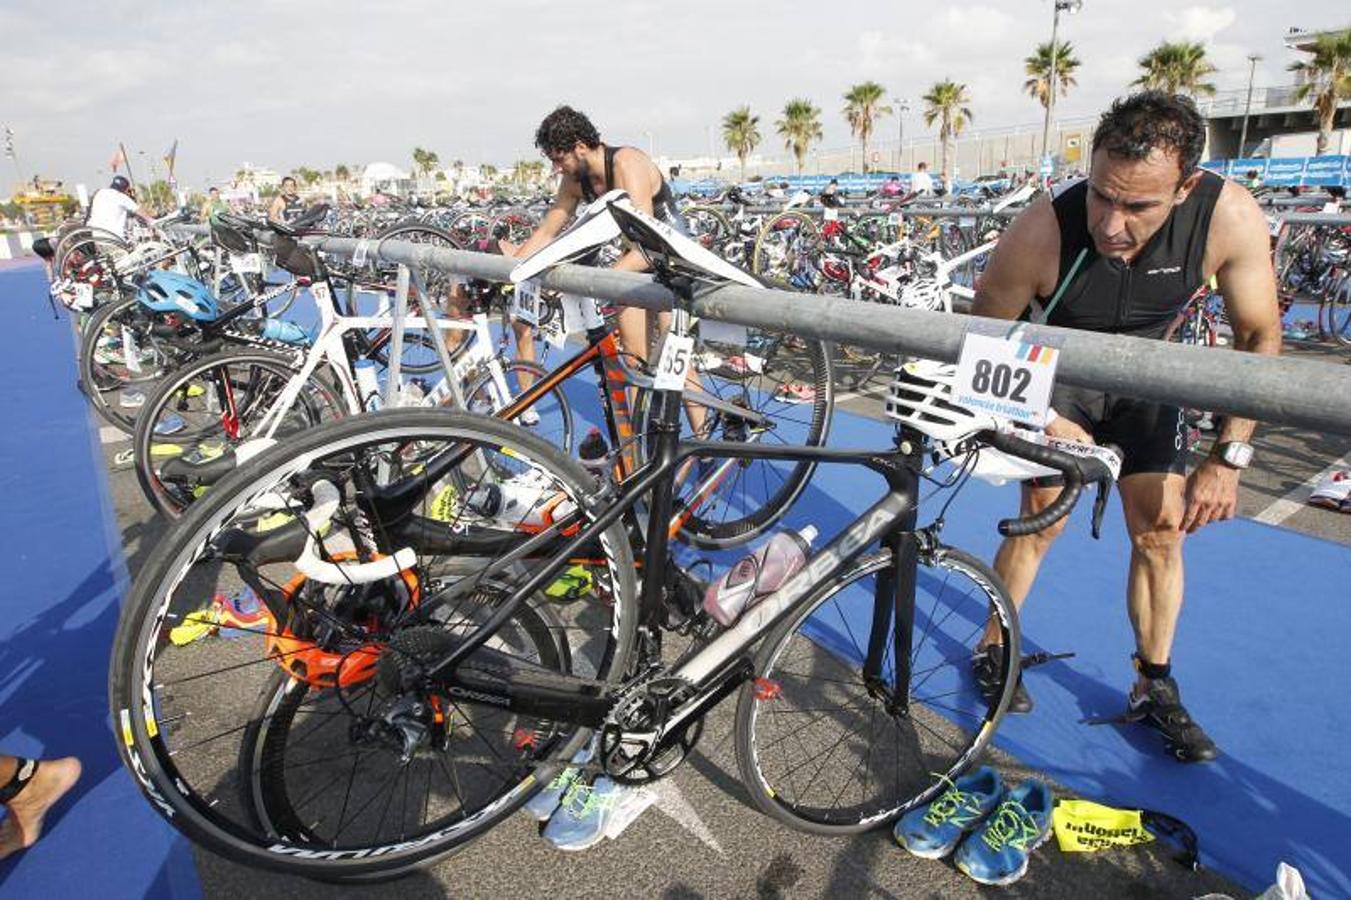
[{"x": 1100, "y": 506}]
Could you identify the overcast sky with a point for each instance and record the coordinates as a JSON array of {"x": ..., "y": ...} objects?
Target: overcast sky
[{"x": 283, "y": 83}]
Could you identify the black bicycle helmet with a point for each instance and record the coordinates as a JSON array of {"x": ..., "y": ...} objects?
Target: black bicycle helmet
[{"x": 120, "y": 183}]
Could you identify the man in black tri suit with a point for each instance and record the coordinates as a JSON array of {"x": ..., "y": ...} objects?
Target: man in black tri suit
[
  {"x": 1126, "y": 247},
  {"x": 589, "y": 168}
]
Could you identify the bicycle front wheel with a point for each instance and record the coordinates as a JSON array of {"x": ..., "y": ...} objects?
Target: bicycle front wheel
[{"x": 820, "y": 750}]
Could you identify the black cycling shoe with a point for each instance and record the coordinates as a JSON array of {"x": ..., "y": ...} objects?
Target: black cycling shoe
[
  {"x": 988, "y": 664},
  {"x": 1161, "y": 709}
]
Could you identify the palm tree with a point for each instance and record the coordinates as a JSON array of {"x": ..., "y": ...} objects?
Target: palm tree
[
  {"x": 1327, "y": 76},
  {"x": 1038, "y": 69},
  {"x": 1176, "y": 68},
  {"x": 488, "y": 171},
  {"x": 741, "y": 133},
  {"x": 800, "y": 125},
  {"x": 946, "y": 103},
  {"x": 862, "y": 106},
  {"x": 425, "y": 160},
  {"x": 341, "y": 172}
]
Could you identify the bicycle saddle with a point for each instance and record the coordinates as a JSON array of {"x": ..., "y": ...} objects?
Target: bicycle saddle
[{"x": 658, "y": 238}]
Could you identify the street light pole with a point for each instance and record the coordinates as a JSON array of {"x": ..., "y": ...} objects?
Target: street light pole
[
  {"x": 1247, "y": 107},
  {"x": 1070, "y": 6},
  {"x": 901, "y": 107}
]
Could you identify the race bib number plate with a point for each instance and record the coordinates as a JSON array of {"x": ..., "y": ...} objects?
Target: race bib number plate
[
  {"x": 359, "y": 254},
  {"x": 525, "y": 302},
  {"x": 674, "y": 363},
  {"x": 831, "y": 214},
  {"x": 246, "y": 263},
  {"x": 893, "y": 218},
  {"x": 966, "y": 221},
  {"x": 1010, "y": 379},
  {"x": 84, "y": 295}
]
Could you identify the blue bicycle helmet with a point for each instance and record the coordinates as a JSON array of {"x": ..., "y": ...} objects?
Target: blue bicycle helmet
[{"x": 165, "y": 291}]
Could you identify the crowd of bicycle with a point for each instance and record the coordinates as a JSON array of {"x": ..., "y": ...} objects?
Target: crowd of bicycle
[{"x": 332, "y": 572}]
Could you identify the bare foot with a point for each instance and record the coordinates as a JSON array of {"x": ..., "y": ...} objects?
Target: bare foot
[{"x": 23, "y": 825}]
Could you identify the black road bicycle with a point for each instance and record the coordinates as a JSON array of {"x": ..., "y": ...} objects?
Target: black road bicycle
[{"x": 423, "y": 660}]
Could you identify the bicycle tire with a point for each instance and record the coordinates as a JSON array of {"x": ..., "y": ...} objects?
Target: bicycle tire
[
  {"x": 735, "y": 511},
  {"x": 554, "y": 412},
  {"x": 270, "y": 798},
  {"x": 439, "y": 284},
  {"x": 318, "y": 401},
  {"x": 708, "y": 226},
  {"x": 103, "y": 382},
  {"x": 798, "y": 264},
  {"x": 821, "y": 637},
  {"x": 180, "y": 774}
]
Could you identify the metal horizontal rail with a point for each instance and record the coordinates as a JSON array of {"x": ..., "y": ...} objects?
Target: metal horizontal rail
[
  {"x": 1277, "y": 390},
  {"x": 1331, "y": 219},
  {"x": 845, "y": 211}
]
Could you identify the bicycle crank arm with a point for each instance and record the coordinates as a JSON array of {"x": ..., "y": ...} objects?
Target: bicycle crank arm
[{"x": 1032, "y": 660}]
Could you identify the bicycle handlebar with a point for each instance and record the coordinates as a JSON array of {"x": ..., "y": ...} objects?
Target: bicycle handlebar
[{"x": 1076, "y": 470}]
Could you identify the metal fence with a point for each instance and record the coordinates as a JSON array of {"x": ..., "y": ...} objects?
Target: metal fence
[{"x": 1278, "y": 390}]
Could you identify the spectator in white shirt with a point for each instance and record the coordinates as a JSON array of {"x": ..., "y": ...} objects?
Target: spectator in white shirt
[
  {"x": 110, "y": 206},
  {"x": 921, "y": 182}
]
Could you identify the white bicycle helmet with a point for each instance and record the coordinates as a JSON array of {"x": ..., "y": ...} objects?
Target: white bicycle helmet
[{"x": 921, "y": 397}]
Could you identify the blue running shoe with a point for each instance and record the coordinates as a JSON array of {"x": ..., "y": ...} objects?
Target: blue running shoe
[
  {"x": 998, "y": 852},
  {"x": 935, "y": 830},
  {"x": 541, "y": 806},
  {"x": 170, "y": 424},
  {"x": 583, "y": 814}
]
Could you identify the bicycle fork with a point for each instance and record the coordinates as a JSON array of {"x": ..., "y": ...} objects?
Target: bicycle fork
[{"x": 894, "y": 596}]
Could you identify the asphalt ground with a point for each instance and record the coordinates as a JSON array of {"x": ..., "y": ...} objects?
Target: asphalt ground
[{"x": 703, "y": 838}]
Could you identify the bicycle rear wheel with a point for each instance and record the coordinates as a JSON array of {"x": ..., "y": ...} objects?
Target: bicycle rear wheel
[
  {"x": 819, "y": 750},
  {"x": 306, "y": 740},
  {"x": 119, "y": 361}
]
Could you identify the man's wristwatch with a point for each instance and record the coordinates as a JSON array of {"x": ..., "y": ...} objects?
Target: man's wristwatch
[{"x": 1234, "y": 454}]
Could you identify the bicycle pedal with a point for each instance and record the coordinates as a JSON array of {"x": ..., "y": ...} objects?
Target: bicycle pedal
[{"x": 1032, "y": 660}]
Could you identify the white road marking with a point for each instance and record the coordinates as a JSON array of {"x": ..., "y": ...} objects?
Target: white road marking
[
  {"x": 673, "y": 803},
  {"x": 1296, "y": 499},
  {"x": 110, "y": 435}
]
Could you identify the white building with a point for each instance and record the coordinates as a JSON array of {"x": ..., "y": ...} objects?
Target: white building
[{"x": 385, "y": 178}]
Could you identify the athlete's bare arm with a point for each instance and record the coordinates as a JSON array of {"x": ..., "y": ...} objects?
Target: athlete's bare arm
[
  {"x": 558, "y": 215},
  {"x": 1238, "y": 252}
]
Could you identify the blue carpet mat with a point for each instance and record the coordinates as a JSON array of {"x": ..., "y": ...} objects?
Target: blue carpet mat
[{"x": 64, "y": 578}]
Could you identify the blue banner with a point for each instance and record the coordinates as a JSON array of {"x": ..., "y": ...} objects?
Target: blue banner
[
  {"x": 1327, "y": 170},
  {"x": 1285, "y": 172},
  {"x": 1302, "y": 171}
]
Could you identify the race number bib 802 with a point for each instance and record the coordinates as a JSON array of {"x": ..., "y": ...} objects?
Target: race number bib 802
[{"x": 1007, "y": 378}]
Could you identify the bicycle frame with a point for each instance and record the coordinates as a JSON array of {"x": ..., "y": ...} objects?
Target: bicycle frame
[{"x": 724, "y": 662}]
